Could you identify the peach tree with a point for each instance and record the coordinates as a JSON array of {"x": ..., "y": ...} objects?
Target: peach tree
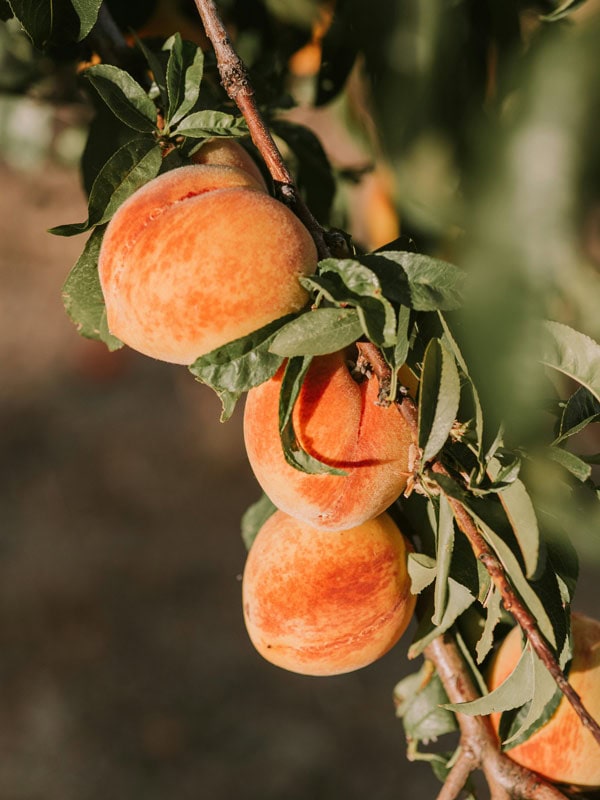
[{"x": 473, "y": 323}]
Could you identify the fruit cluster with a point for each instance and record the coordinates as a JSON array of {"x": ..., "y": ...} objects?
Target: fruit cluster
[
  {"x": 201, "y": 256},
  {"x": 198, "y": 257}
]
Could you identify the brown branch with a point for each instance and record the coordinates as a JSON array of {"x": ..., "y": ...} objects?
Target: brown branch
[
  {"x": 478, "y": 742},
  {"x": 512, "y": 602},
  {"x": 236, "y": 82}
]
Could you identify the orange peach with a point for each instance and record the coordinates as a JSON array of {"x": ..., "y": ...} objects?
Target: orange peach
[
  {"x": 337, "y": 420},
  {"x": 322, "y": 603},
  {"x": 228, "y": 153},
  {"x": 562, "y": 750},
  {"x": 198, "y": 257}
]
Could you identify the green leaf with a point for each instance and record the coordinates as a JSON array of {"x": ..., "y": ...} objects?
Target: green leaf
[
  {"x": 581, "y": 409},
  {"x": 48, "y": 21},
  {"x": 417, "y": 280},
  {"x": 572, "y": 353},
  {"x": 520, "y": 512},
  {"x": 318, "y": 332},
  {"x": 87, "y": 11},
  {"x": 419, "y": 701},
  {"x": 572, "y": 463},
  {"x": 458, "y": 600},
  {"x": 439, "y": 397},
  {"x": 453, "y": 346},
  {"x": 563, "y": 10},
  {"x": 546, "y": 697},
  {"x": 496, "y": 530},
  {"x": 516, "y": 690},
  {"x": 422, "y": 570},
  {"x": 362, "y": 289},
  {"x": 240, "y": 365},
  {"x": 293, "y": 452},
  {"x": 204, "y": 124},
  {"x": 185, "y": 68},
  {"x": 134, "y": 164},
  {"x": 445, "y": 547},
  {"x": 82, "y": 294},
  {"x": 494, "y": 613},
  {"x": 254, "y": 518},
  {"x": 124, "y": 96}
]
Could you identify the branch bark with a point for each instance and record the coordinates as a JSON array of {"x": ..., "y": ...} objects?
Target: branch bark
[
  {"x": 511, "y": 600},
  {"x": 478, "y": 742},
  {"x": 236, "y": 82}
]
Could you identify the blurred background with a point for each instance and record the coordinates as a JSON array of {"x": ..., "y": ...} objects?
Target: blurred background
[{"x": 125, "y": 670}]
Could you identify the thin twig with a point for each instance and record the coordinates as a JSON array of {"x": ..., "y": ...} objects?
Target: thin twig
[
  {"x": 479, "y": 744},
  {"x": 490, "y": 561},
  {"x": 236, "y": 82}
]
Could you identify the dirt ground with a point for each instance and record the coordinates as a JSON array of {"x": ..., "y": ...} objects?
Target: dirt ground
[{"x": 125, "y": 669}]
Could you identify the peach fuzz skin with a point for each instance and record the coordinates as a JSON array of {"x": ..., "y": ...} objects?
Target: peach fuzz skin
[
  {"x": 323, "y": 603},
  {"x": 562, "y": 750},
  {"x": 198, "y": 257},
  {"x": 336, "y": 420},
  {"x": 229, "y": 153}
]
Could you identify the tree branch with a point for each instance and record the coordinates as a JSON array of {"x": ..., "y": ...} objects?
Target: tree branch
[
  {"x": 512, "y": 602},
  {"x": 478, "y": 742},
  {"x": 236, "y": 82}
]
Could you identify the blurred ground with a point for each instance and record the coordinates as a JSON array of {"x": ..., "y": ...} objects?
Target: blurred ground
[{"x": 125, "y": 670}]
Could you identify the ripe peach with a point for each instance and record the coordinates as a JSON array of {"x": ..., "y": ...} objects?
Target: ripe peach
[
  {"x": 562, "y": 750},
  {"x": 322, "y": 603},
  {"x": 198, "y": 257},
  {"x": 229, "y": 153},
  {"x": 337, "y": 421}
]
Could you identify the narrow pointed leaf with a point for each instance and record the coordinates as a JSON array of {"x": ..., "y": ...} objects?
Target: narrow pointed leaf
[
  {"x": 185, "y": 68},
  {"x": 121, "y": 93},
  {"x": 515, "y": 691},
  {"x": 493, "y": 615},
  {"x": 445, "y": 547},
  {"x": 572, "y": 353},
  {"x": 293, "y": 452},
  {"x": 133, "y": 165},
  {"x": 572, "y": 463},
  {"x": 521, "y": 515},
  {"x": 438, "y": 399},
  {"x": 318, "y": 332},
  {"x": 82, "y": 294},
  {"x": 204, "y": 124},
  {"x": 240, "y": 365}
]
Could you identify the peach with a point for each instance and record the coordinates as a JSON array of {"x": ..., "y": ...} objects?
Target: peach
[
  {"x": 229, "y": 153},
  {"x": 337, "y": 420},
  {"x": 562, "y": 750},
  {"x": 322, "y": 603},
  {"x": 200, "y": 256}
]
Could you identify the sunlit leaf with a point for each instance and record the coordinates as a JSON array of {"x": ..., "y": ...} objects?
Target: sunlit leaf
[
  {"x": 240, "y": 365},
  {"x": 133, "y": 165},
  {"x": 572, "y": 353},
  {"x": 318, "y": 332},
  {"x": 439, "y": 397},
  {"x": 124, "y": 96},
  {"x": 293, "y": 451}
]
